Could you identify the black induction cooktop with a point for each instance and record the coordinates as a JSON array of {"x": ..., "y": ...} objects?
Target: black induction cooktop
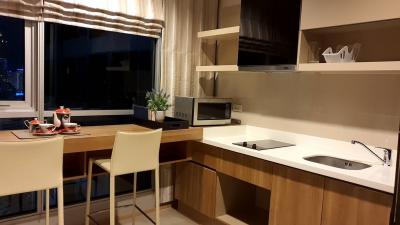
[{"x": 263, "y": 144}]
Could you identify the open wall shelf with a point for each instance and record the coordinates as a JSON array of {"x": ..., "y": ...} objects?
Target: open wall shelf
[
  {"x": 220, "y": 34},
  {"x": 380, "y": 48},
  {"x": 217, "y": 68},
  {"x": 227, "y": 43},
  {"x": 362, "y": 67}
]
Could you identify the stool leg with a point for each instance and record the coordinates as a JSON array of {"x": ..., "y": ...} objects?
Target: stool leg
[
  {"x": 112, "y": 199},
  {"x": 47, "y": 207},
  {"x": 60, "y": 197},
  {"x": 88, "y": 192},
  {"x": 157, "y": 184},
  {"x": 134, "y": 197}
]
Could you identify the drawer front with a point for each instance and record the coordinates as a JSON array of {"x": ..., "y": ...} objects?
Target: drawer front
[
  {"x": 325, "y": 13},
  {"x": 246, "y": 168}
]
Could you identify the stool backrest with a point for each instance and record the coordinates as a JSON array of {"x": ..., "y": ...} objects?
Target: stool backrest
[
  {"x": 30, "y": 166},
  {"x": 135, "y": 152}
]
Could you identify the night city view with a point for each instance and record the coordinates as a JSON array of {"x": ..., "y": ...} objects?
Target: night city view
[{"x": 12, "y": 59}]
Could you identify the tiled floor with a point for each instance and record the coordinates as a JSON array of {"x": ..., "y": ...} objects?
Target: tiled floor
[{"x": 168, "y": 216}]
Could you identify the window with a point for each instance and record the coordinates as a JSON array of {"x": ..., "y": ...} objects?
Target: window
[
  {"x": 16, "y": 73},
  {"x": 12, "y": 59},
  {"x": 15, "y": 93},
  {"x": 13, "y": 205},
  {"x": 88, "y": 69}
]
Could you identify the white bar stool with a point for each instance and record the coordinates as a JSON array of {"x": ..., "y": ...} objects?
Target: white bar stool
[
  {"x": 132, "y": 153},
  {"x": 33, "y": 166}
]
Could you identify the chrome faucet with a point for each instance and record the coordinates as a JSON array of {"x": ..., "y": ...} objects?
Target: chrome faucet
[{"x": 387, "y": 158}]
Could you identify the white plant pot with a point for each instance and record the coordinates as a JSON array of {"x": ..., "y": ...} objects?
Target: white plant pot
[{"x": 159, "y": 116}]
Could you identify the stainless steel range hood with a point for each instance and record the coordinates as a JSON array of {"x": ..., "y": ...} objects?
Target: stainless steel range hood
[{"x": 269, "y": 31}]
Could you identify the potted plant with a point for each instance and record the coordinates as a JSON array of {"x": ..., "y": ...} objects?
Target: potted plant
[{"x": 157, "y": 103}]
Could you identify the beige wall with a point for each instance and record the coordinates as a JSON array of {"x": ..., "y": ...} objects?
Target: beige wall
[{"x": 338, "y": 106}]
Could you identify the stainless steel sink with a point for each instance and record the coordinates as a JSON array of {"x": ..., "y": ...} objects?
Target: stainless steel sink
[{"x": 337, "y": 162}]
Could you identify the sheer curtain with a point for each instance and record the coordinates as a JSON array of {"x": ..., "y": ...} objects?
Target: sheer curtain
[{"x": 183, "y": 51}]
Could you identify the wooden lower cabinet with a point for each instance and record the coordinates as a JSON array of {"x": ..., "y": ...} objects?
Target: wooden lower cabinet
[
  {"x": 195, "y": 186},
  {"x": 242, "y": 187},
  {"x": 296, "y": 197},
  {"x": 246, "y": 168},
  {"x": 348, "y": 204},
  {"x": 204, "y": 154}
]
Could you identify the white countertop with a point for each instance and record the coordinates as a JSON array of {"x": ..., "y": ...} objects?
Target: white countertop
[{"x": 377, "y": 176}]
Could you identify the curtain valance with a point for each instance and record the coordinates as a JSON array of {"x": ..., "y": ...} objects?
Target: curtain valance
[
  {"x": 23, "y": 9},
  {"x": 141, "y": 17}
]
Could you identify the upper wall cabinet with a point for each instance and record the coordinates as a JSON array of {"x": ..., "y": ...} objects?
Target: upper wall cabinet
[{"x": 328, "y": 13}]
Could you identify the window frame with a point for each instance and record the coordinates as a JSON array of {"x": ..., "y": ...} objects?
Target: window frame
[{"x": 27, "y": 108}]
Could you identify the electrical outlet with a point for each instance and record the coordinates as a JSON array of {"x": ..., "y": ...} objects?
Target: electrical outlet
[{"x": 237, "y": 108}]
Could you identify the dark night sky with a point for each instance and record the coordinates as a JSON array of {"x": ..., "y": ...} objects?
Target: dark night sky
[{"x": 12, "y": 31}]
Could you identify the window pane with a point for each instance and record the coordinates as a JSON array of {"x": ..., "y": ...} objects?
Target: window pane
[
  {"x": 12, "y": 59},
  {"x": 14, "y": 205},
  {"x": 91, "y": 69},
  {"x": 13, "y": 123}
]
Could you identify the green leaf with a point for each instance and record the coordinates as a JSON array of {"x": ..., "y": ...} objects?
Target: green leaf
[{"x": 157, "y": 100}]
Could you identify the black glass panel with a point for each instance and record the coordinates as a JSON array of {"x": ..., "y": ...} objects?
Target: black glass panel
[
  {"x": 90, "y": 69},
  {"x": 19, "y": 204},
  {"x": 13, "y": 123},
  {"x": 213, "y": 111},
  {"x": 12, "y": 59}
]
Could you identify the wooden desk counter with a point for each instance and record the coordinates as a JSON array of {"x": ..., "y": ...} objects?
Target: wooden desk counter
[{"x": 102, "y": 137}]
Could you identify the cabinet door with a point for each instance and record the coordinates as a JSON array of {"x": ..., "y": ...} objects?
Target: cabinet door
[
  {"x": 246, "y": 168},
  {"x": 348, "y": 204},
  {"x": 327, "y": 13},
  {"x": 296, "y": 197},
  {"x": 195, "y": 186}
]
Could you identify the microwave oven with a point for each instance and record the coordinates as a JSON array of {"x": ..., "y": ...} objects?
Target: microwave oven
[{"x": 203, "y": 111}]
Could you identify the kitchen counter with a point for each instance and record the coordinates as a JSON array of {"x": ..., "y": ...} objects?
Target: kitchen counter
[
  {"x": 102, "y": 137},
  {"x": 376, "y": 177}
]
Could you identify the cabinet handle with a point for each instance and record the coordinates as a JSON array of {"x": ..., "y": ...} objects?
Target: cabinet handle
[{"x": 5, "y": 105}]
